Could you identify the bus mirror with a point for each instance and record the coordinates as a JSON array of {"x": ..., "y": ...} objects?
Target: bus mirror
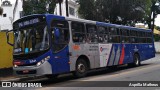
[
  {"x": 9, "y": 36},
  {"x": 56, "y": 33}
]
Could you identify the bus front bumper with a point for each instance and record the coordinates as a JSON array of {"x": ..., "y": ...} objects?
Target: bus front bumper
[{"x": 43, "y": 69}]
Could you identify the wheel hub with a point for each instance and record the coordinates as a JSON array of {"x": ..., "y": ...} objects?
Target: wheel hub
[{"x": 81, "y": 68}]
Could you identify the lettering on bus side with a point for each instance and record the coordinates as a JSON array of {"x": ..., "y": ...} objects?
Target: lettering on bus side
[{"x": 93, "y": 48}]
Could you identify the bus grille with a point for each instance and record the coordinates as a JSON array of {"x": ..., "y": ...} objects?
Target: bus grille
[{"x": 30, "y": 72}]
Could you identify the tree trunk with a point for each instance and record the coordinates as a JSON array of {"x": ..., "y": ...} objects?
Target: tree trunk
[
  {"x": 60, "y": 9},
  {"x": 67, "y": 8}
]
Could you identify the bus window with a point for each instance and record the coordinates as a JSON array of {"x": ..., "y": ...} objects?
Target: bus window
[
  {"x": 149, "y": 40},
  {"x": 133, "y": 38},
  {"x": 60, "y": 42},
  {"x": 115, "y": 39},
  {"x": 125, "y": 32},
  {"x": 78, "y": 32},
  {"x": 114, "y": 35},
  {"x": 113, "y": 31},
  {"x": 103, "y": 35},
  {"x": 150, "y": 34},
  {"x": 125, "y": 36},
  {"x": 92, "y": 35}
]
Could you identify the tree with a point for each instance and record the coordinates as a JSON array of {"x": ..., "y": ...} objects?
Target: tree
[
  {"x": 1, "y": 11},
  {"x": 126, "y": 12},
  {"x": 38, "y": 6},
  {"x": 154, "y": 11},
  {"x": 87, "y": 9}
]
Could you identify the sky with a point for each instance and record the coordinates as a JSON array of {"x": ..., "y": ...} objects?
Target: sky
[
  {"x": 157, "y": 20},
  {"x": 12, "y": 1}
]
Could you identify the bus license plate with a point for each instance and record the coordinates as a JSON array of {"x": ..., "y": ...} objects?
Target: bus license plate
[{"x": 26, "y": 71}]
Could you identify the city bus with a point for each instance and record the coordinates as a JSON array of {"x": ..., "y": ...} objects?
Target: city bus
[{"x": 50, "y": 45}]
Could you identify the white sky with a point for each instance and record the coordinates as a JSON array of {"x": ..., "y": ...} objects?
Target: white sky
[
  {"x": 157, "y": 21},
  {"x": 12, "y": 1}
]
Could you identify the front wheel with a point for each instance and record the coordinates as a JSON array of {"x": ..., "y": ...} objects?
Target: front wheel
[{"x": 81, "y": 68}]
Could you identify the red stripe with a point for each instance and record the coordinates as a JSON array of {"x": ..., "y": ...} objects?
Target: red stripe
[{"x": 122, "y": 55}]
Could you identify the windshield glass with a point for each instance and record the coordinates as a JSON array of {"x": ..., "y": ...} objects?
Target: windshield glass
[{"x": 31, "y": 39}]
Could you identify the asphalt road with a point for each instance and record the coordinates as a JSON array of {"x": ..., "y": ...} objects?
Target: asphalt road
[{"x": 148, "y": 71}]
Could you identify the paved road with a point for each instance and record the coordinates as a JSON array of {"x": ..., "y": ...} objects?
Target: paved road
[{"x": 149, "y": 71}]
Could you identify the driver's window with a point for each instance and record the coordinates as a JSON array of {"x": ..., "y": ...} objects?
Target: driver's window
[{"x": 63, "y": 39}]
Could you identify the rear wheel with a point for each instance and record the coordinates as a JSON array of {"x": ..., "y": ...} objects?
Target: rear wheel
[
  {"x": 81, "y": 68},
  {"x": 136, "y": 62}
]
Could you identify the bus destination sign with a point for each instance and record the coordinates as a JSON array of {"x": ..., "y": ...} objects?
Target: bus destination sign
[{"x": 29, "y": 22}]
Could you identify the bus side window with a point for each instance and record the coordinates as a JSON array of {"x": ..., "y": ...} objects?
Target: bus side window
[
  {"x": 110, "y": 32},
  {"x": 114, "y": 35},
  {"x": 125, "y": 36},
  {"x": 103, "y": 35},
  {"x": 78, "y": 32},
  {"x": 92, "y": 34},
  {"x": 149, "y": 37},
  {"x": 133, "y": 36}
]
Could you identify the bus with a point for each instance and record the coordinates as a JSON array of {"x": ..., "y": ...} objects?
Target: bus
[{"x": 50, "y": 45}]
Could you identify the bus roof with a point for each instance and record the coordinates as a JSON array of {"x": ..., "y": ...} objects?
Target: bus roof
[
  {"x": 107, "y": 24},
  {"x": 49, "y": 16},
  {"x": 121, "y": 26}
]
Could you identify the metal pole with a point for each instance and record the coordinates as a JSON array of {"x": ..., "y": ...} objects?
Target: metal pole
[{"x": 67, "y": 8}]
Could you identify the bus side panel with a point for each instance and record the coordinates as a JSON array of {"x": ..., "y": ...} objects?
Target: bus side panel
[
  {"x": 61, "y": 61},
  {"x": 115, "y": 55},
  {"x": 85, "y": 50},
  {"x": 149, "y": 51},
  {"x": 136, "y": 48},
  {"x": 127, "y": 53},
  {"x": 103, "y": 54},
  {"x": 120, "y": 54},
  {"x": 152, "y": 50},
  {"x": 141, "y": 51}
]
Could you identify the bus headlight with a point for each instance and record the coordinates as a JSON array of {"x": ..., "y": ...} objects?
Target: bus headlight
[
  {"x": 43, "y": 60},
  {"x": 15, "y": 66},
  {"x": 39, "y": 63}
]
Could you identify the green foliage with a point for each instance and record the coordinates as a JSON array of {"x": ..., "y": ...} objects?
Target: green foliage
[
  {"x": 87, "y": 9},
  {"x": 38, "y": 6},
  {"x": 156, "y": 38},
  {"x": 127, "y": 12}
]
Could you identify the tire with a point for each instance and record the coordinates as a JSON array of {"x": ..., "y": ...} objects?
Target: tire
[
  {"x": 136, "y": 62},
  {"x": 81, "y": 68}
]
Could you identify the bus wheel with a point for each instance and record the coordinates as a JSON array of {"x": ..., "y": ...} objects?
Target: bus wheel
[
  {"x": 136, "y": 62},
  {"x": 81, "y": 68}
]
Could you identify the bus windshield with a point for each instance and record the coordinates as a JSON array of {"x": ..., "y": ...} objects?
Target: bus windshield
[{"x": 31, "y": 39}]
